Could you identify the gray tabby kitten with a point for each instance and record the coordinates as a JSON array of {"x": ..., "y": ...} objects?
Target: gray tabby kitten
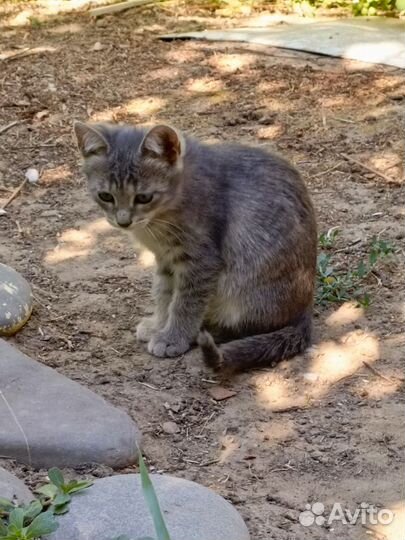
[{"x": 234, "y": 236}]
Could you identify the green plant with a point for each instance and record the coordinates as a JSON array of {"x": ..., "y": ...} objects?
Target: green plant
[
  {"x": 26, "y": 522},
  {"x": 29, "y": 522},
  {"x": 357, "y": 7},
  {"x": 35, "y": 22},
  {"x": 372, "y": 7},
  {"x": 57, "y": 494},
  {"x": 327, "y": 240},
  {"x": 342, "y": 285},
  {"x": 153, "y": 506}
]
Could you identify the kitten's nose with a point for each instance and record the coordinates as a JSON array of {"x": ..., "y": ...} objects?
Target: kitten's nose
[{"x": 124, "y": 218}]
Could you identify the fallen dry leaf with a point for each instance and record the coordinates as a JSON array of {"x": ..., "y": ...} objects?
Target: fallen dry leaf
[{"x": 219, "y": 393}]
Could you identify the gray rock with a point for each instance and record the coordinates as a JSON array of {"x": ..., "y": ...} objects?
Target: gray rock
[
  {"x": 47, "y": 420},
  {"x": 13, "y": 488},
  {"x": 116, "y": 505},
  {"x": 15, "y": 301}
]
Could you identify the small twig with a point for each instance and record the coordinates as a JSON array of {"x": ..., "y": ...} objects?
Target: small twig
[
  {"x": 211, "y": 462},
  {"x": 17, "y": 54},
  {"x": 35, "y": 146},
  {"x": 345, "y": 120},
  {"x": 369, "y": 169},
  {"x": 376, "y": 372},
  {"x": 292, "y": 408},
  {"x": 19, "y": 229},
  {"x": 395, "y": 164},
  {"x": 326, "y": 172},
  {"x": 14, "y": 194},
  {"x": 27, "y": 52},
  {"x": 354, "y": 243},
  {"x": 148, "y": 385},
  {"x": 206, "y": 422},
  {"x": 9, "y": 126}
]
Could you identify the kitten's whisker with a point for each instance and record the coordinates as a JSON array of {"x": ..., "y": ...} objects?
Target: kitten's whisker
[
  {"x": 170, "y": 224},
  {"x": 149, "y": 230},
  {"x": 171, "y": 229}
]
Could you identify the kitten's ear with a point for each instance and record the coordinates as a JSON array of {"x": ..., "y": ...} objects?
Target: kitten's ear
[
  {"x": 164, "y": 143},
  {"x": 89, "y": 139}
]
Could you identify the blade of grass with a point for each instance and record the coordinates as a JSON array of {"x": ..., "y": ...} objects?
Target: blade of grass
[{"x": 152, "y": 502}]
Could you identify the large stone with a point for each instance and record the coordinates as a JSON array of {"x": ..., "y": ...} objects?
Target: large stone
[
  {"x": 47, "y": 420},
  {"x": 116, "y": 506},
  {"x": 13, "y": 488},
  {"x": 15, "y": 300}
]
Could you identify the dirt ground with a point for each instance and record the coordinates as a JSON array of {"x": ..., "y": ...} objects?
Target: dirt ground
[{"x": 324, "y": 427}]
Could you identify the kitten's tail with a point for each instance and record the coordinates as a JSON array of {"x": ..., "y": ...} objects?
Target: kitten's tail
[{"x": 264, "y": 350}]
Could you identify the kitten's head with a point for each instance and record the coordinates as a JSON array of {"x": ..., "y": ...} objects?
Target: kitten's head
[{"x": 133, "y": 174}]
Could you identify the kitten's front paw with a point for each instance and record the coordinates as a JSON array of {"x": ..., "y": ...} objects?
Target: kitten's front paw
[
  {"x": 145, "y": 329},
  {"x": 164, "y": 345}
]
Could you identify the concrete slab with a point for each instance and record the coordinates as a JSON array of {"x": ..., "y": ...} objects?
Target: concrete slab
[{"x": 376, "y": 40}]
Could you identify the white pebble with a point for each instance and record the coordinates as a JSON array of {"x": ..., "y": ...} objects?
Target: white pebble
[{"x": 32, "y": 175}]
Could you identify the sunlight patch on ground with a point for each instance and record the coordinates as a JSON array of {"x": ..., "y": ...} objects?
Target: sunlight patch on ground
[
  {"x": 42, "y": 9},
  {"x": 274, "y": 392},
  {"x": 55, "y": 175},
  {"x": 270, "y": 132},
  {"x": 229, "y": 63},
  {"x": 179, "y": 56},
  {"x": 336, "y": 101},
  {"x": 347, "y": 313},
  {"x": 166, "y": 74},
  {"x": 204, "y": 85},
  {"x": 378, "y": 388},
  {"x": 145, "y": 106},
  {"x": 228, "y": 445},
  {"x": 74, "y": 243},
  {"x": 264, "y": 87},
  {"x": 72, "y": 28},
  {"x": 334, "y": 360},
  {"x": 395, "y": 529},
  {"x": 329, "y": 362},
  {"x": 273, "y": 105}
]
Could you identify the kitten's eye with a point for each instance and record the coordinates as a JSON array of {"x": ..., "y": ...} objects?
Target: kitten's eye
[
  {"x": 106, "y": 197},
  {"x": 143, "y": 198}
]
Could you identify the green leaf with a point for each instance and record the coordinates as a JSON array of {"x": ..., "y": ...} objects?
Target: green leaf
[
  {"x": 5, "y": 504},
  {"x": 362, "y": 270},
  {"x": 49, "y": 490},
  {"x": 56, "y": 477},
  {"x": 3, "y": 528},
  {"x": 16, "y": 518},
  {"x": 75, "y": 486},
  {"x": 61, "y": 498},
  {"x": 60, "y": 509},
  {"x": 43, "y": 524},
  {"x": 152, "y": 502},
  {"x": 32, "y": 510}
]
